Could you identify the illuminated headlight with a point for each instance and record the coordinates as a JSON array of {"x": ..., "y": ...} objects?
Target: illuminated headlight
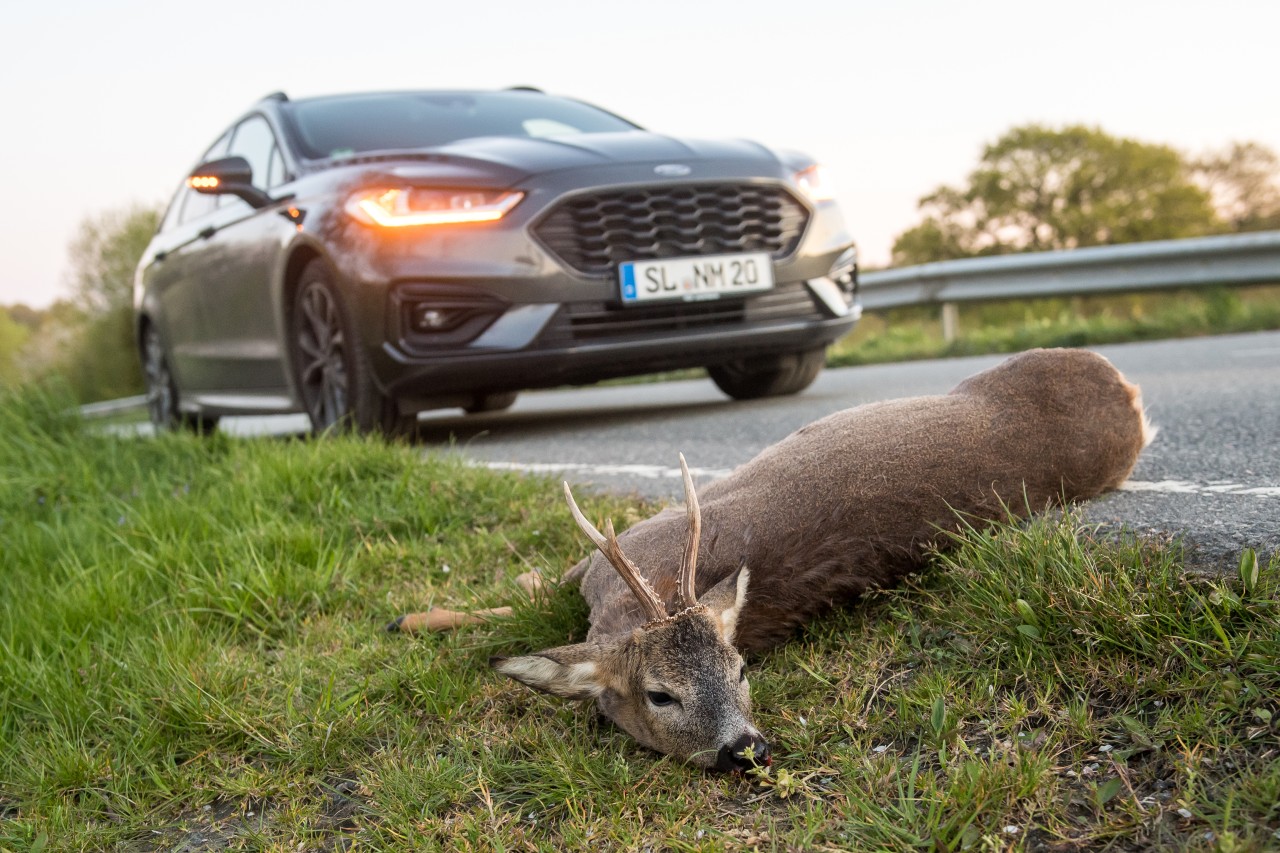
[
  {"x": 815, "y": 183},
  {"x": 406, "y": 206}
]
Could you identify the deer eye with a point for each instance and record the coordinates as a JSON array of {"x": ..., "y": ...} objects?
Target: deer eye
[
  {"x": 657, "y": 697},
  {"x": 742, "y": 673}
]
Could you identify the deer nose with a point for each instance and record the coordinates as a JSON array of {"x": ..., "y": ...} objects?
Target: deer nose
[{"x": 750, "y": 750}]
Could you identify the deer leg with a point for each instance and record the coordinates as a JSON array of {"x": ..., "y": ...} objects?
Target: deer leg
[
  {"x": 439, "y": 619},
  {"x": 532, "y": 583}
]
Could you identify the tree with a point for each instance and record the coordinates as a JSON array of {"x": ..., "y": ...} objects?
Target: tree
[
  {"x": 1243, "y": 181},
  {"x": 32, "y": 340},
  {"x": 25, "y": 315},
  {"x": 105, "y": 253},
  {"x": 100, "y": 359},
  {"x": 13, "y": 336},
  {"x": 1038, "y": 188}
]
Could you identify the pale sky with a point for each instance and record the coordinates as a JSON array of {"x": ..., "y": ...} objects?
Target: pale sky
[{"x": 108, "y": 103}]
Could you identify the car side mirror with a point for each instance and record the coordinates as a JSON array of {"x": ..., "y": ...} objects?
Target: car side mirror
[{"x": 228, "y": 176}]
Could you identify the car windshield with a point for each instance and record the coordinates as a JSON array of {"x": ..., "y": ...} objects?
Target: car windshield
[{"x": 345, "y": 125}]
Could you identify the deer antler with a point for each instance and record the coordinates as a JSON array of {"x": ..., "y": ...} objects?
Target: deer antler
[
  {"x": 688, "y": 596},
  {"x": 652, "y": 605}
]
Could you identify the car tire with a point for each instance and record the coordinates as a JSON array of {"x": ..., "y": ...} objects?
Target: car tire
[
  {"x": 492, "y": 403},
  {"x": 769, "y": 376},
  {"x": 331, "y": 371},
  {"x": 162, "y": 390}
]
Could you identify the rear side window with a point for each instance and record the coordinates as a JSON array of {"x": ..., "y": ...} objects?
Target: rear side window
[{"x": 345, "y": 125}]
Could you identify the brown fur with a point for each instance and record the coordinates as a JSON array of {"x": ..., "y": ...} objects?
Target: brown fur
[
  {"x": 687, "y": 660},
  {"x": 842, "y": 505},
  {"x": 857, "y": 499}
]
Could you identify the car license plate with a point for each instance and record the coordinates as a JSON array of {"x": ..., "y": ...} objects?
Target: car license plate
[{"x": 692, "y": 279}]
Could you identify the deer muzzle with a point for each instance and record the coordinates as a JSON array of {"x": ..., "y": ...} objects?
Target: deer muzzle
[{"x": 748, "y": 751}]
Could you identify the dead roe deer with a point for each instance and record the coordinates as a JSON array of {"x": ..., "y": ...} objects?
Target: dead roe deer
[{"x": 848, "y": 503}]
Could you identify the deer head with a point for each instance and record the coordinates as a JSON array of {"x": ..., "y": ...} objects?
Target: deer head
[{"x": 676, "y": 684}]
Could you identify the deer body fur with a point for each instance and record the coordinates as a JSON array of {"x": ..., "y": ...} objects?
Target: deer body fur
[
  {"x": 845, "y": 504},
  {"x": 855, "y": 500}
]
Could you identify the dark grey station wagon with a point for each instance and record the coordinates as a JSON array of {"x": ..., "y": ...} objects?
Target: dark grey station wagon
[{"x": 365, "y": 257}]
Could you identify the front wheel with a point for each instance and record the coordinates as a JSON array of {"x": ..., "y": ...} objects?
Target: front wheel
[
  {"x": 162, "y": 391},
  {"x": 769, "y": 376},
  {"x": 331, "y": 370}
]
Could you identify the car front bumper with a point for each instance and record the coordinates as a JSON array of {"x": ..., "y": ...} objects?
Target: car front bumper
[
  {"x": 553, "y": 355},
  {"x": 451, "y": 314}
]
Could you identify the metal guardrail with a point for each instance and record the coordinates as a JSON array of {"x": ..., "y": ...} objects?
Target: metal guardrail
[
  {"x": 1230, "y": 259},
  {"x": 113, "y": 407}
]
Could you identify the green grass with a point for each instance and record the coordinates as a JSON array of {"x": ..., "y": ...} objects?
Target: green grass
[
  {"x": 191, "y": 648},
  {"x": 1016, "y": 325}
]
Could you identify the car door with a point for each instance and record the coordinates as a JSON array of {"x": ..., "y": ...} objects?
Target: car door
[
  {"x": 174, "y": 281},
  {"x": 242, "y": 334}
]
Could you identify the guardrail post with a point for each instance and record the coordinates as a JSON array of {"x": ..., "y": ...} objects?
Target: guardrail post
[{"x": 950, "y": 321}]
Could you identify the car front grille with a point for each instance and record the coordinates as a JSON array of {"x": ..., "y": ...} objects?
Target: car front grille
[
  {"x": 597, "y": 321},
  {"x": 595, "y": 231}
]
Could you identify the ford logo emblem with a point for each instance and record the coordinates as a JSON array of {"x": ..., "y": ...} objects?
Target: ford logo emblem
[{"x": 672, "y": 170}]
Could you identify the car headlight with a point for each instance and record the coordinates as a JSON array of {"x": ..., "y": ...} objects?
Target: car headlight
[
  {"x": 815, "y": 183},
  {"x": 398, "y": 207}
]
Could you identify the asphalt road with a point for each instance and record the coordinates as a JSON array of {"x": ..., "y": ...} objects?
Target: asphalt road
[{"x": 1211, "y": 477}]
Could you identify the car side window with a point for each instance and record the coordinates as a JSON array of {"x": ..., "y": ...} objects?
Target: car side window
[
  {"x": 173, "y": 213},
  {"x": 193, "y": 204},
  {"x": 276, "y": 174},
  {"x": 255, "y": 142}
]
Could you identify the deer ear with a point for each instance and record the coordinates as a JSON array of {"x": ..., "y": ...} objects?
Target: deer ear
[
  {"x": 574, "y": 672},
  {"x": 726, "y": 598}
]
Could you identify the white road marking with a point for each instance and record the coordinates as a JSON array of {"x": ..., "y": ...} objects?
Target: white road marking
[
  {"x": 1186, "y": 487},
  {"x": 660, "y": 472},
  {"x": 649, "y": 472}
]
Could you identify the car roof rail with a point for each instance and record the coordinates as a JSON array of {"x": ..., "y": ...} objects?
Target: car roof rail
[{"x": 525, "y": 89}]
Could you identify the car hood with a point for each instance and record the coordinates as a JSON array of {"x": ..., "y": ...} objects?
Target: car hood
[
  {"x": 506, "y": 160},
  {"x": 591, "y": 149}
]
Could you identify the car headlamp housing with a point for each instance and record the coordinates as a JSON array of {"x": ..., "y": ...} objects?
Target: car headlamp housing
[
  {"x": 815, "y": 183},
  {"x": 398, "y": 207}
]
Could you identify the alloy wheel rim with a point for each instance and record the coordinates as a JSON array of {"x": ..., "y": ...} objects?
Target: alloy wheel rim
[{"x": 322, "y": 365}]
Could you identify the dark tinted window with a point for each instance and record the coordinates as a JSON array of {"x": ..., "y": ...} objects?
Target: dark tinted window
[{"x": 344, "y": 125}]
